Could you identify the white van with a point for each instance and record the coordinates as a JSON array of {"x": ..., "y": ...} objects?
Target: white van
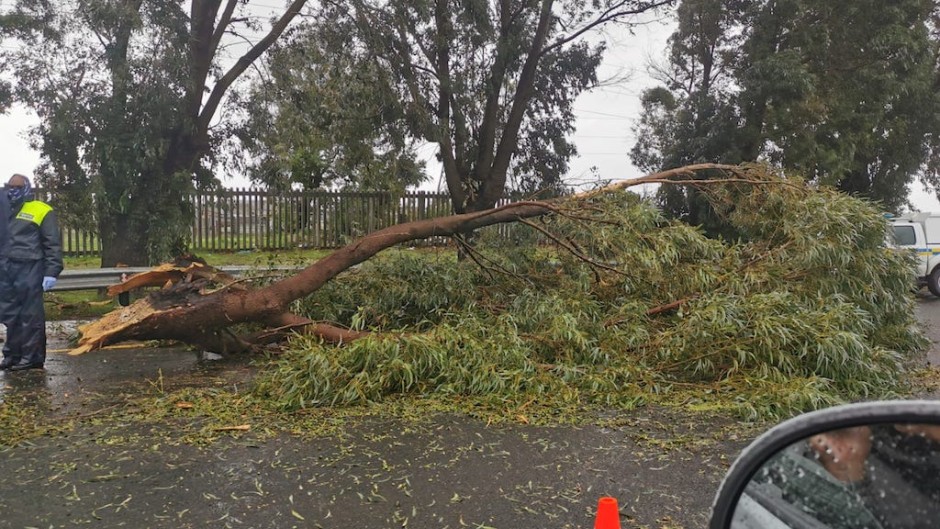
[{"x": 921, "y": 232}]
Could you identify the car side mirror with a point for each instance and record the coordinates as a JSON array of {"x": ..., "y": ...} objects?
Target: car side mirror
[{"x": 870, "y": 465}]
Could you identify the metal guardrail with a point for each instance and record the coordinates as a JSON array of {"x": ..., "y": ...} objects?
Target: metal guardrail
[{"x": 95, "y": 278}]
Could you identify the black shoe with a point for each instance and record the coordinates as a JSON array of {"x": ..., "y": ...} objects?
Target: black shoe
[
  {"x": 8, "y": 362},
  {"x": 23, "y": 366}
]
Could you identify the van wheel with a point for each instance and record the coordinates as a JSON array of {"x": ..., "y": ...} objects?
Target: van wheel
[{"x": 933, "y": 282}]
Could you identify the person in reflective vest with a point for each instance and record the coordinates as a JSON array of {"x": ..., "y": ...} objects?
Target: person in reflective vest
[
  {"x": 34, "y": 263},
  {"x": 6, "y": 292}
]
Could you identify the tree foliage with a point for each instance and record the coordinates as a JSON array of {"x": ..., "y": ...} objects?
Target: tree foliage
[
  {"x": 326, "y": 117},
  {"x": 806, "y": 309},
  {"x": 126, "y": 92},
  {"x": 490, "y": 82},
  {"x": 844, "y": 94},
  {"x": 931, "y": 172}
]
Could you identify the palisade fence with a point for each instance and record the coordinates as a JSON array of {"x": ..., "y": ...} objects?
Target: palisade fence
[{"x": 245, "y": 219}]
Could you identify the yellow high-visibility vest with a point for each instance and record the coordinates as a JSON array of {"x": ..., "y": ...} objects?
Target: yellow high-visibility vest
[{"x": 34, "y": 211}]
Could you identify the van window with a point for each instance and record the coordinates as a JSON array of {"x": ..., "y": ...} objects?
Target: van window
[{"x": 904, "y": 236}]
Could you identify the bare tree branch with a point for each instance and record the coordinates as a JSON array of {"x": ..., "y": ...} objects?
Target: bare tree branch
[
  {"x": 609, "y": 15},
  {"x": 223, "y": 24},
  {"x": 570, "y": 248},
  {"x": 218, "y": 91}
]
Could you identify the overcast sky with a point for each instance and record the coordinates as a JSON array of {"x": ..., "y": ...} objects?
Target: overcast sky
[{"x": 605, "y": 116}]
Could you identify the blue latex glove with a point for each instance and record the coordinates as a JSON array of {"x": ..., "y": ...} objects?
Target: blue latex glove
[{"x": 47, "y": 283}]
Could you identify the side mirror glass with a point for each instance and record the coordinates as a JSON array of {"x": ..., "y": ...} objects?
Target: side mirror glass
[{"x": 873, "y": 465}]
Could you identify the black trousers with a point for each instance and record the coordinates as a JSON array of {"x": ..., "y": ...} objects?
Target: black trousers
[{"x": 25, "y": 316}]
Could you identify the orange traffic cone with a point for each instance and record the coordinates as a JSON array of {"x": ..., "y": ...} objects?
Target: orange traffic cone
[{"x": 608, "y": 515}]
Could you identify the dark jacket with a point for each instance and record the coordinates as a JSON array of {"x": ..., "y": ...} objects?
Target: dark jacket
[
  {"x": 4, "y": 227},
  {"x": 34, "y": 236}
]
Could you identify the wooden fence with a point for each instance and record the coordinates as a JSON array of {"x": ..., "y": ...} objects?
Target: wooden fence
[{"x": 243, "y": 219}]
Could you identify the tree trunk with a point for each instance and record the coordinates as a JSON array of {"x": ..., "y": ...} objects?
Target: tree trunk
[
  {"x": 134, "y": 221},
  {"x": 189, "y": 143},
  {"x": 120, "y": 243}
]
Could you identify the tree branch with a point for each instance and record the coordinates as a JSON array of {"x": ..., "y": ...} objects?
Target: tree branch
[
  {"x": 494, "y": 85},
  {"x": 473, "y": 253},
  {"x": 609, "y": 15},
  {"x": 218, "y": 91},
  {"x": 497, "y": 163},
  {"x": 222, "y": 25},
  {"x": 571, "y": 249},
  {"x": 183, "y": 313}
]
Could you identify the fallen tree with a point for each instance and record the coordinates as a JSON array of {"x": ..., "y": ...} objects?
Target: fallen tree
[
  {"x": 595, "y": 297},
  {"x": 192, "y": 311}
]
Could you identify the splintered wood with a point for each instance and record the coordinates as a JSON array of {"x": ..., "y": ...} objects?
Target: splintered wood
[
  {"x": 111, "y": 327},
  {"x": 169, "y": 274}
]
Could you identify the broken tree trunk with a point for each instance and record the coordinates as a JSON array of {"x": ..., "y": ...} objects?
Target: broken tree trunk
[{"x": 199, "y": 304}]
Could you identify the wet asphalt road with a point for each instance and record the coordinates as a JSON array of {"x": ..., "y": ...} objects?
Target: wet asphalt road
[
  {"x": 66, "y": 380},
  {"x": 451, "y": 472},
  {"x": 445, "y": 472},
  {"x": 928, "y": 312},
  {"x": 448, "y": 472}
]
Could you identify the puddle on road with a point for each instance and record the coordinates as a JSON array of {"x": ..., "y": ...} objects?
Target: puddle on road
[{"x": 67, "y": 380}]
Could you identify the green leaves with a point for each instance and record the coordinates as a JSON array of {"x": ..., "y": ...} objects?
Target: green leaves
[
  {"x": 128, "y": 95},
  {"x": 842, "y": 94},
  {"x": 807, "y": 309},
  {"x": 327, "y": 116}
]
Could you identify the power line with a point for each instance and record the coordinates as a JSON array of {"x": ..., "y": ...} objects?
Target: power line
[
  {"x": 611, "y": 90},
  {"x": 602, "y": 119},
  {"x": 603, "y": 114}
]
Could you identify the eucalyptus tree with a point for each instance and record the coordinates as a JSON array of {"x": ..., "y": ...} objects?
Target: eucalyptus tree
[
  {"x": 931, "y": 172},
  {"x": 130, "y": 96},
  {"x": 491, "y": 83},
  {"x": 321, "y": 117},
  {"x": 6, "y": 96},
  {"x": 843, "y": 93},
  {"x": 690, "y": 117},
  {"x": 632, "y": 306}
]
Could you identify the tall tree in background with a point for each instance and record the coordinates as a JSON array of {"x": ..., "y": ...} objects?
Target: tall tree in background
[
  {"x": 490, "y": 82},
  {"x": 325, "y": 117},
  {"x": 128, "y": 93},
  {"x": 691, "y": 117},
  {"x": 844, "y": 93},
  {"x": 931, "y": 173}
]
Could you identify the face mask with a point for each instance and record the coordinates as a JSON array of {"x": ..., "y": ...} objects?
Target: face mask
[{"x": 17, "y": 194}]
